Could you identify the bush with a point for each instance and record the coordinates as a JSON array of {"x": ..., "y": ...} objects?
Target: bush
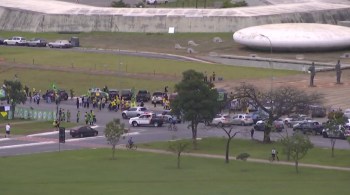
[
  {"x": 119, "y": 3},
  {"x": 242, "y": 156},
  {"x": 228, "y": 4}
]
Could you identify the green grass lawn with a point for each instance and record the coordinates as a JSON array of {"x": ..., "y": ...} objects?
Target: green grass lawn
[
  {"x": 36, "y": 127},
  {"x": 92, "y": 172},
  {"x": 263, "y": 151}
]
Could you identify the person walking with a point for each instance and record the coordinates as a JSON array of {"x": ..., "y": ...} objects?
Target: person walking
[
  {"x": 86, "y": 118},
  {"x": 77, "y": 103},
  {"x": 8, "y": 130},
  {"x": 68, "y": 116},
  {"x": 274, "y": 154},
  {"x": 312, "y": 71},
  {"x": 252, "y": 133},
  {"x": 338, "y": 71},
  {"x": 78, "y": 116}
]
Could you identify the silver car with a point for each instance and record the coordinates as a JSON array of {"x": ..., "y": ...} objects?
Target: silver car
[
  {"x": 60, "y": 44},
  {"x": 133, "y": 112}
]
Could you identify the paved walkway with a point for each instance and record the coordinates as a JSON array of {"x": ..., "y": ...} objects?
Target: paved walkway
[{"x": 249, "y": 159}]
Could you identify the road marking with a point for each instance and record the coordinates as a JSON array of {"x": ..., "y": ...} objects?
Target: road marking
[
  {"x": 26, "y": 145},
  {"x": 82, "y": 139}
]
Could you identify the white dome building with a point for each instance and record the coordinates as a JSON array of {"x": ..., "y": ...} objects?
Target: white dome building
[{"x": 294, "y": 37}]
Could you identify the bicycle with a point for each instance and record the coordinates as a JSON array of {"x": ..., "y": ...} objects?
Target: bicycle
[
  {"x": 131, "y": 146},
  {"x": 172, "y": 127}
]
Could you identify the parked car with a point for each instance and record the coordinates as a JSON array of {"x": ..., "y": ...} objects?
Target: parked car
[
  {"x": 36, "y": 42},
  {"x": 290, "y": 122},
  {"x": 133, "y": 112},
  {"x": 168, "y": 117},
  {"x": 126, "y": 94},
  {"x": 318, "y": 111},
  {"x": 153, "y": 2},
  {"x": 242, "y": 119},
  {"x": 60, "y": 44},
  {"x": 51, "y": 94},
  {"x": 112, "y": 93},
  {"x": 147, "y": 119},
  {"x": 340, "y": 133},
  {"x": 1, "y": 41},
  {"x": 277, "y": 125},
  {"x": 157, "y": 97},
  {"x": 347, "y": 113},
  {"x": 309, "y": 127},
  {"x": 15, "y": 41},
  {"x": 220, "y": 120},
  {"x": 143, "y": 95},
  {"x": 85, "y": 131}
]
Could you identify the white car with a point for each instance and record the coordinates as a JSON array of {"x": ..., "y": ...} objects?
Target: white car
[
  {"x": 15, "y": 41},
  {"x": 242, "y": 119},
  {"x": 221, "y": 120},
  {"x": 151, "y": 2}
]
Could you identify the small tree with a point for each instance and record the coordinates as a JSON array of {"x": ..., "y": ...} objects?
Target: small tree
[
  {"x": 15, "y": 93},
  {"x": 230, "y": 135},
  {"x": 299, "y": 145},
  {"x": 178, "y": 147},
  {"x": 335, "y": 120},
  {"x": 113, "y": 131}
]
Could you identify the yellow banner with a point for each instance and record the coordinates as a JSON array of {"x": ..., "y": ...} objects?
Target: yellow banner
[{"x": 3, "y": 114}]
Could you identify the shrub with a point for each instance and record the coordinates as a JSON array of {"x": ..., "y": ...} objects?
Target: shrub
[
  {"x": 242, "y": 156},
  {"x": 228, "y": 4},
  {"x": 119, "y": 3}
]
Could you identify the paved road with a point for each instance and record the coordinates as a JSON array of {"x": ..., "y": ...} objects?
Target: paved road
[{"x": 47, "y": 142}]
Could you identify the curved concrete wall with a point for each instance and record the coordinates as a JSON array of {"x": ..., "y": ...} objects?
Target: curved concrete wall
[{"x": 12, "y": 19}]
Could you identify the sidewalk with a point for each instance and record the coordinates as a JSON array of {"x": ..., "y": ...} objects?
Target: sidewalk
[{"x": 249, "y": 159}]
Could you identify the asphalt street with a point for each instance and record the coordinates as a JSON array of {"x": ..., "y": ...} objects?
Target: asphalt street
[{"x": 48, "y": 142}]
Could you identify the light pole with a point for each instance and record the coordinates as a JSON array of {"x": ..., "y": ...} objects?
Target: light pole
[{"x": 271, "y": 66}]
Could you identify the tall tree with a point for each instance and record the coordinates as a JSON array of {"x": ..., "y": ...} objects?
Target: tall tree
[
  {"x": 336, "y": 120},
  {"x": 113, "y": 131},
  {"x": 196, "y": 100},
  {"x": 277, "y": 102},
  {"x": 15, "y": 93},
  {"x": 299, "y": 146}
]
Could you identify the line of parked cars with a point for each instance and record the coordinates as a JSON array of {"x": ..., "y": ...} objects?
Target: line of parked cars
[{"x": 35, "y": 42}]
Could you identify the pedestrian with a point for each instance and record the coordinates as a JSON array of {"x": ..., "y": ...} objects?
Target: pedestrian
[
  {"x": 154, "y": 101},
  {"x": 205, "y": 76},
  {"x": 30, "y": 97},
  {"x": 8, "y": 130},
  {"x": 338, "y": 71},
  {"x": 86, "y": 118},
  {"x": 78, "y": 116},
  {"x": 252, "y": 133},
  {"x": 77, "y": 103},
  {"x": 213, "y": 76},
  {"x": 274, "y": 154},
  {"x": 60, "y": 115},
  {"x": 68, "y": 116},
  {"x": 166, "y": 89},
  {"x": 312, "y": 71}
]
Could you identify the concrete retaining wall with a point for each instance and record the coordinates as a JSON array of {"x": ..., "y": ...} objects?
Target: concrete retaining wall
[{"x": 23, "y": 20}]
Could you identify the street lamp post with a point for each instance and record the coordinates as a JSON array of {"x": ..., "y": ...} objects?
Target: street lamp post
[
  {"x": 270, "y": 60},
  {"x": 271, "y": 66}
]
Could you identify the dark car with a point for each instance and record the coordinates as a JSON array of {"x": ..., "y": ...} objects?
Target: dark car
[
  {"x": 312, "y": 127},
  {"x": 51, "y": 94},
  {"x": 261, "y": 126},
  {"x": 112, "y": 93},
  {"x": 36, "y": 42},
  {"x": 318, "y": 111},
  {"x": 1, "y": 41},
  {"x": 85, "y": 131},
  {"x": 126, "y": 94},
  {"x": 143, "y": 95}
]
